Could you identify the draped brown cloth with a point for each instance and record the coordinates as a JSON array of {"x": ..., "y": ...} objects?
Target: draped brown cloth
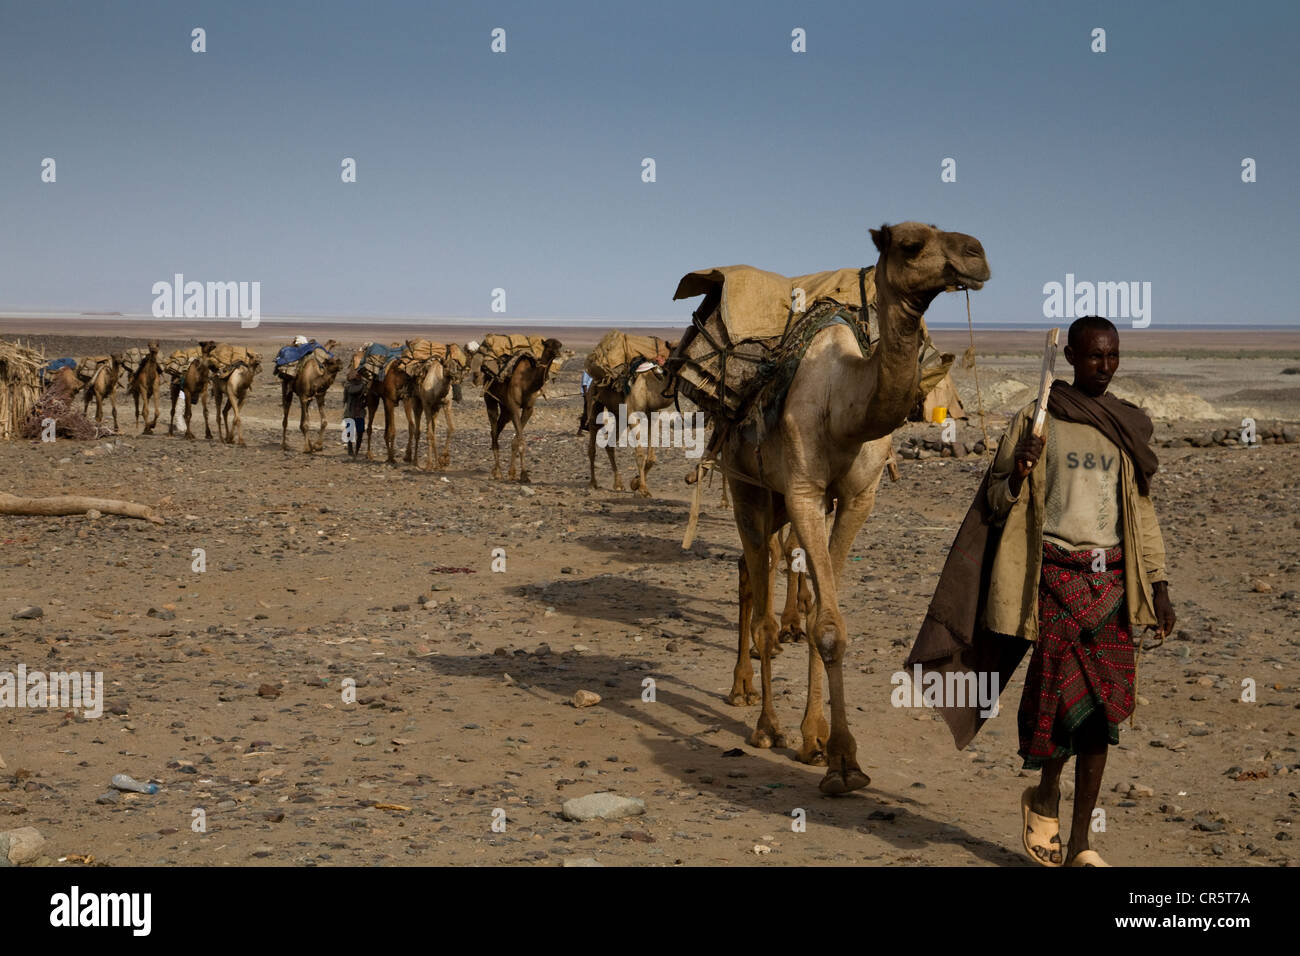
[
  {"x": 952, "y": 637},
  {"x": 1122, "y": 422}
]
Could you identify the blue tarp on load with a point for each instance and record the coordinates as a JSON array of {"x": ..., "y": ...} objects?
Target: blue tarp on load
[
  {"x": 292, "y": 353},
  {"x": 385, "y": 352},
  {"x": 54, "y": 365}
]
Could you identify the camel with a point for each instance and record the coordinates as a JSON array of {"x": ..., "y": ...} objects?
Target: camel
[
  {"x": 392, "y": 388},
  {"x": 650, "y": 392},
  {"x": 194, "y": 383},
  {"x": 830, "y": 445},
  {"x": 430, "y": 391},
  {"x": 103, "y": 384},
  {"x": 233, "y": 392},
  {"x": 311, "y": 381},
  {"x": 142, "y": 386},
  {"x": 512, "y": 398}
]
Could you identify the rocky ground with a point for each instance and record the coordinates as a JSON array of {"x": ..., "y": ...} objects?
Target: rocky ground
[{"x": 229, "y": 687}]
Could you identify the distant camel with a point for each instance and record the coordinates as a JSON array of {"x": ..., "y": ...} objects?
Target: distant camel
[
  {"x": 142, "y": 386},
  {"x": 194, "y": 383},
  {"x": 430, "y": 389},
  {"x": 511, "y": 400},
  {"x": 233, "y": 392},
  {"x": 103, "y": 384},
  {"x": 311, "y": 381},
  {"x": 392, "y": 388},
  {"x": 650, "y": 392}
]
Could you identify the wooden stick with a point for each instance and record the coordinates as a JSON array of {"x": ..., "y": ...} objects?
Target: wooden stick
[
  {"x": 75, "y": 505},
  {"x": 689, "y": 538},
  {"x": 1045, "y": 384}
]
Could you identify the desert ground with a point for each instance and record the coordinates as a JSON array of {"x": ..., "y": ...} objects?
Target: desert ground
[{"x": 226, "y": 686}]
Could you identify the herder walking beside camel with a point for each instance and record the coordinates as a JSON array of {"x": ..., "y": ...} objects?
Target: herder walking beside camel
[{"x": 1061, "y": 548}]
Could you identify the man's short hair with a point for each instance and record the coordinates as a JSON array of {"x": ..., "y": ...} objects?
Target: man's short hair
[{"x": 1088, "y": 323}]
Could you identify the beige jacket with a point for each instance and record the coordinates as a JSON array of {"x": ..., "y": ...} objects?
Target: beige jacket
[{"x": 1012, "y": 606}]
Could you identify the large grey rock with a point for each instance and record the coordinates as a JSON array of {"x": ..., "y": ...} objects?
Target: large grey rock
[
  {"x": 603, "y": 806},
  {"x": 28, "y": 614},
  {"x": 20, "y": 846}
]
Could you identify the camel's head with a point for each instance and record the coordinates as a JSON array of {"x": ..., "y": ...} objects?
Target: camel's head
[
  {"x": 919, "y": 261},
  {"x": 332, "y": 366},
  {"x": 330, "y": 345},
  {"x": 207, "y": 347},
  {"x": 457, "y": 360},
  {"x": 153, "y": 347},
  {"x": 551, "y": 349}
]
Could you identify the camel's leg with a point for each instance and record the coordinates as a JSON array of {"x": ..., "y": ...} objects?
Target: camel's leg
[
  {"x": 112, "y": 401},
  {"x": 305, "y": 402},
  {"x": 148, "y": 429},
  {"x": 372, "y": 406},
  {"x": 207, "y": 429},
  {"x": 520, "y": 424},
  {"x": 444, "y": 460},
  {"x": 798, "y": 596},
  {"x": 319, "y": 444},
  {"x": 589, "y": 413},
  {"x": 645, "y": 460},
  {"x": 239, "y": 421},
  {"x": 827, "y": 633},
  {"x": 171, "y": 416},
  {"x": 752, "y": 506},
  {"x": 431, "y": 416},
  {"x": 189, "y": 414},
  {"x": 412, "y": 432},
  {"x": 496, "y": 424},
  {"x": 286, "y": 399},
  {"x": 742, "y": 676},
  {"x": 390, "y": 430}
]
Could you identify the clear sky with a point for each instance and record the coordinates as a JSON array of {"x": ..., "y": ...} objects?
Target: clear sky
[{"x": 523, "y": 170}]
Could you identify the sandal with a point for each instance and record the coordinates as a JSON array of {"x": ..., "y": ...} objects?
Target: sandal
[
  {"x": 1039, "y": 832},
  {"x": 1087, "y": 858}
]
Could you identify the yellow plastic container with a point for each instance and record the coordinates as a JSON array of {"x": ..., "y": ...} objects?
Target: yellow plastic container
[{"x": 940, "y": 414}]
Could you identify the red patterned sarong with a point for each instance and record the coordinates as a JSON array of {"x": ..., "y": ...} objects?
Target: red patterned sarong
[{"x": 1083, "y": 659}]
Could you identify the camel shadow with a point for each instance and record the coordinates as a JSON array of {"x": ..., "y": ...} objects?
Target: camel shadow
[
  {"x": 610, "y": 597},
  {"x": 714, "y": 759}
]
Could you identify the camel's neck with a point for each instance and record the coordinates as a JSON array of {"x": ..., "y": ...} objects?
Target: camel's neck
[{"x": 893, "y": 371}]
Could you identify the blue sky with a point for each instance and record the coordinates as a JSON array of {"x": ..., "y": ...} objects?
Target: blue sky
[{"x": 523, "y": 170}]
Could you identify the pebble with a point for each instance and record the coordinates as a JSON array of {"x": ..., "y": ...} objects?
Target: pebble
[
  {"x": 111, "y": 797},
  {"x": 28, "y": 614},
  {"x": 585, "y": 698},
  {"x": 20, "y": 846},
  {"x": 602, "y": 806}
]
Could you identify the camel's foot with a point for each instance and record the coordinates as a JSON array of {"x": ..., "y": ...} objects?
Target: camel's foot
[
  {"x": 444, "y": 461},
  {"x": 524, "y": 479},
  {"x": 791, "y": 634},
  {"x": 742, "y": 694},
  {"x": 190, "y": 436},
  {"x": 306, "y": 449},
  {"x": 641, "y": 490},
  {"x": 767, "y": 737},
  {"x": 496, "y": 473},
  {"x": 844, "y": 776},
  {"x": 241, "y": 443},
  {"x": 618, "y": 484},
  {"x": 284, "y": 446},
  {"x": 407, "y": 458},
  {"x": 777, "y": 650},
  {"x": 593, "y": 485},
  {"x": 812, "y": 752}
]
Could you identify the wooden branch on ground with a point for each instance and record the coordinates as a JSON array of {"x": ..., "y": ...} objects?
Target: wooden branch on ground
[{"x": 75, "y": 505}]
